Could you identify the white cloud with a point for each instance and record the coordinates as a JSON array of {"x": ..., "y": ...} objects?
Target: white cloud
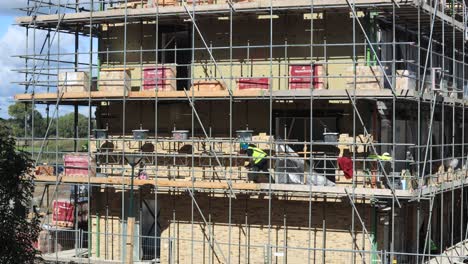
[
  {"x": 9, "y": 7},
  {"x": 4, "y": 103},
  {"x": 12, "y": 43}
]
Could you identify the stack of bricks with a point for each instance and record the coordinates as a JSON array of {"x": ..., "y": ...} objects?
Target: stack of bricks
[
  {"x": 154, "y": 3},
  {"x": 367, "y": 77},
  {"x": 200, "y": 2},
  {"x": 362, "y": 143},
  {"x": 79, "y": 164},
  {"x": 262, "y": 140},
  {"x": 253, "y": 83},
  {"x": 372, "y": 77},
  {"x": 115, "y": 80},
  {"x": 306, "y": 76},
  {"x": 163, "y": 78},
  {"x": 70, "y": 82},
  {"x": 208, "y": 85},
  {"x": 131, "y": 4},
  {"x": 405, "y": 80}
]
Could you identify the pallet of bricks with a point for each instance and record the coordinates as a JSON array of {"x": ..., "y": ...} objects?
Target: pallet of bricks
[
  {"x": 154, "y": 3},
  {"x": 201, "y": 2},
  {"x": 130, "y": 4},
  {"x": 163, "y": 77},
  {"x": 63, "y": 213},
  {"x": 73, "y": 82},
  {"x": 208, "y": 85},
  {"x": 306, "y": 76},
  {"x": 79, "y": 165},
  {"x": 253, "y": 83},
  {"x": 116, "y": 80},
  {"x": 367, "y": 77}
]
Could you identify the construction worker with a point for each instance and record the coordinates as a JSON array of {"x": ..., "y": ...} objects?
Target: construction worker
[
  {"x": 258, "y": 163},
  {"x": 386, "y": 160}
]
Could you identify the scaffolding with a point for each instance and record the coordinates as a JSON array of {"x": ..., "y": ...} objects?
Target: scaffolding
[{"x": 358, "y": 104}]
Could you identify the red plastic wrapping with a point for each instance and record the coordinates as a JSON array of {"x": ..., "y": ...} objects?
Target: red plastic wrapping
[
  {"x": 253, "y": 83},
  {"x": 300, "y": 73},
  {"x": 163, "y": 76},
  {"x": 77, "y": 165},
  {"x": 63, "y": 211},
  {"x": 300, "y": 76}
]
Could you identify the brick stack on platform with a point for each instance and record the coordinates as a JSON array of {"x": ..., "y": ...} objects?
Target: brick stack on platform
[
  {"x": 306, "y": 76},
  {"x": 79, "y": 164},
  {"x": 251, "y": 83},
  {"x": 208, "y": 85},
  {"x": 70, "y": 82},
  {"x": 115, "y": 80},
  {"x": 163, "y": 78},
  {"x": 63, "y": 213},
  {"x": 199, "y": 2},
  {"x": 367, "y": 77},
  {"x": 154, "y": 3}
]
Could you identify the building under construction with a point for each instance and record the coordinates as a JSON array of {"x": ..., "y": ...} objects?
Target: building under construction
[{"x": 358, "y": 104}]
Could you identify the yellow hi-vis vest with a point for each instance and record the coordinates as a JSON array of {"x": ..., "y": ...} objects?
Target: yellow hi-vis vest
[{"x": 257, "y": 154}]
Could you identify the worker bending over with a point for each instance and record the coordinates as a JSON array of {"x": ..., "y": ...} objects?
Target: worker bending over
[{"x": 258, "y": 161}]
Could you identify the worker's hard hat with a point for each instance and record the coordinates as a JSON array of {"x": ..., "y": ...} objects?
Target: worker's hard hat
[
  {"x": 386, "y": 156},
  {"x": 244, "y": 145}
]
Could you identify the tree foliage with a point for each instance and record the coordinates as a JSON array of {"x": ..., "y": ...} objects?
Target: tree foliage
[
  {"x": 23, "y": 118},
  {"x": 17, "y": 232},
  {"x": 66, "y": 125}
]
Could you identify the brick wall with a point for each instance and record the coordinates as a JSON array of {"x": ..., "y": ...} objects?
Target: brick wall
[
  {"x": 249, "y": 229},
  {"x": 249, "y": 232}
]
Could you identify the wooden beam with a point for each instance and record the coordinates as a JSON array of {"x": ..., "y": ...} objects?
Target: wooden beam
[
  {"x": 159, "y": 182},
  {"x": 130, "y": 237},
  {"x": 306, "y": 93},
  {"x": 240, "y": 186},
  {"x": 165, "y": 11}
]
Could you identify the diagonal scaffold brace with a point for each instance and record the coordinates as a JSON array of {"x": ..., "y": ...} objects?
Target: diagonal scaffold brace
[
  {"x": 374, "y": 149},
  {"x": 214, "y": 243},
  {"x": 351, "y": 201},
  {"x": 207, "y": 138}
]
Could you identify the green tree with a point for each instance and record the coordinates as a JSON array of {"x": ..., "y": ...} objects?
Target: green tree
[
  {"x": 66, "y": 125},
  {"x": 21, "y": 116},
  {"x": 17, "y": 232}
]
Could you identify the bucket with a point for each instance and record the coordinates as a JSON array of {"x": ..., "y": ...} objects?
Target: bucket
[
  {"x": 330, "y": 137},
  {"x": 244, "y": 135},
  {"x": 395, "y": 181},
  {"x": 180, "y": 134},
  {"x": 101, "y": 175},
  {"x": 100, "y": 133},
  {"x": 403, "y": 184},
  {"x": 139, "y": 134}
]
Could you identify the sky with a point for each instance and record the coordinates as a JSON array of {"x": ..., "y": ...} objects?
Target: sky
[
  {"x": 13, "y": 42},
  {"x": 10, "y": 36}
]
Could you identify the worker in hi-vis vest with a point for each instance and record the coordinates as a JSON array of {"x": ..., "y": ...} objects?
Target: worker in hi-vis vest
[{"x": 258, "y": 161}]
